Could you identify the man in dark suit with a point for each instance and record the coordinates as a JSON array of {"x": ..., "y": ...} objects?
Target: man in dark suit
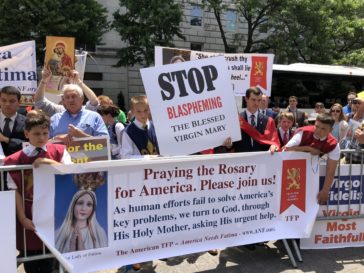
[
  {"x": 11, "y": 123},
  {"x": 299, "y": 115},
  {"x": 263, "y": 107},
  {"x": 258, "y": 131}
]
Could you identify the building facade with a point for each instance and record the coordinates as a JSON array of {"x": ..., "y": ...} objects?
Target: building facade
[{"x": 199, "y": 27}]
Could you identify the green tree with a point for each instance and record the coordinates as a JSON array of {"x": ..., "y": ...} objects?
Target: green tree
[
  {"x": 316, "y": 31},
  {"x": 252, "y": 12},
  {"x": 256, "y": 14},
  {"x": 218, "y": 7},
  {"x": 22, "y": 20},
  {"x": 143, "y": 25}
]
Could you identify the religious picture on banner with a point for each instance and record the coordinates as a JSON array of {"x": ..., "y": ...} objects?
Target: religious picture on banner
[
  {"x": 60, "y": 55},
  {"x": 81, "y": 211},
  {"x": 175, "y": 56},
  {"x": 60, "y": 60}
]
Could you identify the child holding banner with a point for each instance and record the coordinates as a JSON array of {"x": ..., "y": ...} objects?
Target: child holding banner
[
  {"x": 38, "y": 152},
  {"x": 139, "y": 138}
]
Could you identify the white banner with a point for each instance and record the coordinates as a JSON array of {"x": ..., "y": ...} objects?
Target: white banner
[
  {"x": 151, "y": 209},
  {"x": 7, "y": 232},
  {"x": 245, "y": 70},
  {"x": 344, "y": 200},
  {"x": 192, "y": 105},
  {"x": 18, "y": 67},
  {"x": 80, "y": 64}
]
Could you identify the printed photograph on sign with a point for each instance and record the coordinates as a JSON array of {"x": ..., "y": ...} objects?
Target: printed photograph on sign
[
  {"x": 175, "y": 56},
  {"x": 81, "y": 211},
  {"x": 60, "y": 60},
  {"x": 60, "y": 55}
]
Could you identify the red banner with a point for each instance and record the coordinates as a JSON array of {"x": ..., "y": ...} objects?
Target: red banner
[
  {"x": 258, "y": 75},
  {"x": 293, "y": 190},
  {"x": 270, "y": 136}
]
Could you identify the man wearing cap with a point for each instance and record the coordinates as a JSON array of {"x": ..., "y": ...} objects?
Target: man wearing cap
[
  {"x": 318, "y": 140},
  {"x": 75, "y": 121}
]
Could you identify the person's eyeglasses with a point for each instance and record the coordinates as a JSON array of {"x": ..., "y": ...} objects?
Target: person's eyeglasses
[
  {"x": 335, "y": 111},
  {"x": 319, "y": 106},
  {"x": 356, "y": 102}
]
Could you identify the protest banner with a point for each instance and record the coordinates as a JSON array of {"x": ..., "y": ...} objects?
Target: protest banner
[
  {"x": 60, "y": 60},
  {"x": 85, "y": 149},
  {"x": 7, "y": 232},
  {"x": 165, "y": 207},
  {"x": 18, "y": 67},
  {"x": 345, "y": 199},
  {"x": 80, "y": 62},
  {"x": 89, "y": 149},
  {"x": 192, "y": 105},
  {"x": 245, "y": 70}
]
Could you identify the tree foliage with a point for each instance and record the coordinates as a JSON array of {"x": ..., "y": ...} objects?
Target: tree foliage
[
  {"x": 256, "y": 14},
  {"x": 22, "y": 20},
  {"x": 143, "y": 25},
  {"x": 312, "y": 31},
  {"x": 316, "y": 31}
]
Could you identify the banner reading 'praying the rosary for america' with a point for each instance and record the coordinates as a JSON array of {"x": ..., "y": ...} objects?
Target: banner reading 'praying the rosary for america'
[{"x": 107, "y": 214}]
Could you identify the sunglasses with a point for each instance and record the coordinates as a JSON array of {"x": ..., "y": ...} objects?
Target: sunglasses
[
  {"x": 335, "y": 111},
  {"x": 356, "y": 102}
]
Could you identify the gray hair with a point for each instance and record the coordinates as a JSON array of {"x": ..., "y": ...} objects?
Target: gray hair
[{"x": 73, "y": 87}]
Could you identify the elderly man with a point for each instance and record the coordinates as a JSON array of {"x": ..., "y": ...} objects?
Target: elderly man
[
  {"x": 75, "y": 121},
  {"x": 41, "y": 102}
]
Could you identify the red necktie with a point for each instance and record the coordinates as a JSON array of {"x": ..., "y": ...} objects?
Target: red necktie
[{"x": 285, "y": 138}]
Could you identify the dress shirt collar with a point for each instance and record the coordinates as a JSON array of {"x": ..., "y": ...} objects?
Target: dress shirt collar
[
  {"x": 140, "y": 125},
  {"x": 2, "y": 117},
  {"x": 281, "y": 131},
  {"x": 321, "y": 139},
  {"x": 249, "y": 114},
  {"x": 30, "y": 150}
]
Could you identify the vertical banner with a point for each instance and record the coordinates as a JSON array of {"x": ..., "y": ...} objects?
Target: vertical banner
[
  {"x": 60, "y": 60},
  {"x": 7, "y": 232},
  {"x": 346, "y": 201},
  {"x": 143, "y": 210},
  {"x": 192, "y": 105},
  {"x": 18, "y": 67},
  {"x": 245, "y": 70}
]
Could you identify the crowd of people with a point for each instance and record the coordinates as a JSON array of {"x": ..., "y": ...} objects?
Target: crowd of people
[{"x": 51, "y": 127}]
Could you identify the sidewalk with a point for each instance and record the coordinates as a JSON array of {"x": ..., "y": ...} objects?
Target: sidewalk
[{"x": 265, "y": 259}]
